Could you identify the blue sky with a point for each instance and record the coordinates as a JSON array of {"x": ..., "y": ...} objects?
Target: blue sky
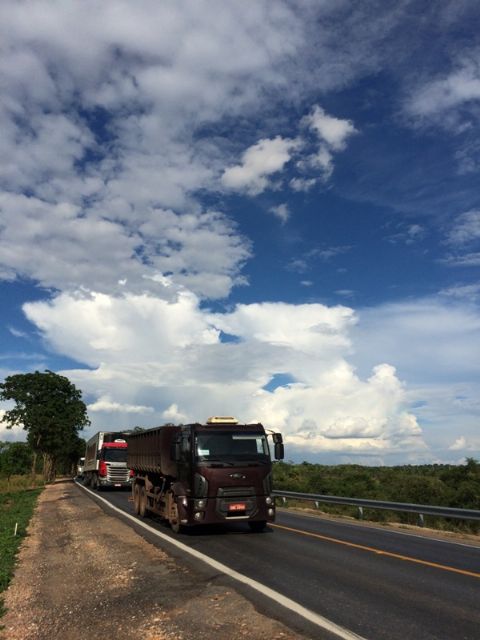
[{"x": 269, "y": 210}]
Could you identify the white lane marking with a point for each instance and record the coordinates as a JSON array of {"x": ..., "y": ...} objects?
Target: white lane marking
[{"x": 277, "y": 597}]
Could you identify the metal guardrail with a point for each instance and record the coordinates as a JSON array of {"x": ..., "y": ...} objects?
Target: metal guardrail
[{"x": 420, "y": 509}]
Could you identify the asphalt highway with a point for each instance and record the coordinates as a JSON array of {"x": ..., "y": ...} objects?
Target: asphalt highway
[{"x": 381, "y": 584}]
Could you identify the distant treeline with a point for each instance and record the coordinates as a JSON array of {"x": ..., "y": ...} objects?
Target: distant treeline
[{"x": 436, "y": 484}]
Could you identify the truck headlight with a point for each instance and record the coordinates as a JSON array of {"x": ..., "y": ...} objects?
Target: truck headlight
[
  {"x": 268, "y": 500},
  {"x": 200, "y": 504}
]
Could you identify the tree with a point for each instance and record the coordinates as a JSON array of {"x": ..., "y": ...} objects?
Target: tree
[
  {"x": 51, "y": 410},
  {"x": 15, "y": 459}
]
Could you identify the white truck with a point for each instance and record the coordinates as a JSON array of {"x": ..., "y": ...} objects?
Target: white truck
[{"x": 106, "y": 461}]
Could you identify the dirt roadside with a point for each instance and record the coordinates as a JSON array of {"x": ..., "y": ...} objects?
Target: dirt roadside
[{"x": 74, "y": 582}]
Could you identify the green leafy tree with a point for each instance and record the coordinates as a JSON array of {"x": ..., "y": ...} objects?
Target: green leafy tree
[
  {"x": 50, "y": 409},
  {"x": 15, "y": 459}
]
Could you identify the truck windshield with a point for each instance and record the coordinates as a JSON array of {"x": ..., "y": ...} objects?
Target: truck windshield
[
  {"x": 231, "y": 447},
  {"x": 115, "y": 455}
]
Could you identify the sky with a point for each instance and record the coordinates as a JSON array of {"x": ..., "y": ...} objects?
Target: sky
[{"x": 265, "y": 210}]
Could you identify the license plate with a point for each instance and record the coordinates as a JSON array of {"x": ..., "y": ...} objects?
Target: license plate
[
  {"x": 117, "y": 485},
  {"x": 239, "y": 506}
]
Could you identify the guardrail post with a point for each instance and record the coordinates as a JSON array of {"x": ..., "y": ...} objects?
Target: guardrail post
[
  {"x": 284, "y": 500},
  {"x": 317, "y": 504},
  {"x": 421, "y": 520},
  {"x": 360, "y": 513}
]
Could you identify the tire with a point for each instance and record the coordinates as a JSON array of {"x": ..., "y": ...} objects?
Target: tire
[
  {"x": 257, "y": 526},
  {"x": 142, "y": 504},
  {"x": 94, "y": 482},
  {"x": 136, "y": 498}
]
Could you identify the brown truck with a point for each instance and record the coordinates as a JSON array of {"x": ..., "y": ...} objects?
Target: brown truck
[{"x": 193, "y": 474}]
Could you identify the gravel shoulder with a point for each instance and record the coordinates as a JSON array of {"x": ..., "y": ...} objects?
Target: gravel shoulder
[{"x": 73, "y": 582}]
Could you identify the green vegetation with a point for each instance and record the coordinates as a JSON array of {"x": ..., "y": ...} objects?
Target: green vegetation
[
  {"x": 51, "y": 410},
  {"x": 437, "y": 484},
  {"x": 16, "y": 508}
]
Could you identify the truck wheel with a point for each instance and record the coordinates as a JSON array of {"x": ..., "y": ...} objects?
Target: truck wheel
[
  {"x": 257, "y": 526},
  {"x": 142, "y": 504},
  {"x": 136, "y": 499},
  {"x": 94, "y": 482}
]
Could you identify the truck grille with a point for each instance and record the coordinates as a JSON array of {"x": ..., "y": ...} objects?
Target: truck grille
[
  {"x": 118, "y": 474},
  {"x": 235, "y": 492},
  {"x": 234, "y": 496}
]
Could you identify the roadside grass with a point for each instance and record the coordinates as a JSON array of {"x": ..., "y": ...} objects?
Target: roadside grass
[{"x": 16, "y": 508}]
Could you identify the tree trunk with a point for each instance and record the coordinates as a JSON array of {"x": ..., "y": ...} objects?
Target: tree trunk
[
  {"x": 34, "y": 468},
  {"x": 48, "y": 467}
]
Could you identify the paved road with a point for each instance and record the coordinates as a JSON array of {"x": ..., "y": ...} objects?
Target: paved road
[{"x": 380, "y": 584}]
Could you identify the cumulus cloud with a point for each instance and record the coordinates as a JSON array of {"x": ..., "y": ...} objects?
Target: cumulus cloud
[
  {"x": 59, "y": 246},
  {"x": 106, "y": 404},
  {"x": 281, "y": 212},
  {"x": 434, "y": 343},
  {"x": 259, "y": 162},
  {"x": 167, "y": 360},
  {"x": 331, "y": 136},
  {"x": 270, "y": 156},
  {"x": 333, "y": 131},
  {"x": 100, "y": 140},
  {"x": 459, "y": 444}
]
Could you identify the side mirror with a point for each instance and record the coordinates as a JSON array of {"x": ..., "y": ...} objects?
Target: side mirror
[
  {"x": 277, "y": 438},
  {"x": 279, "y": 451}
]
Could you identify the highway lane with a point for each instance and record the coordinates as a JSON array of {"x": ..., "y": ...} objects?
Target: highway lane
[{"x": 379, "y": 583}]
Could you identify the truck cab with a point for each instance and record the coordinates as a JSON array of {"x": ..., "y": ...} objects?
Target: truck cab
[{"x": 106, "y": 461}]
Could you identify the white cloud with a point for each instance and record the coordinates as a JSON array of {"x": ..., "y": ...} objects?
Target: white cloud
[
  {"x": 302, "y": 184},
  {"x": 106, "y": 404},
  {"x": 12, "y": 434},
  {"x": 333, "y": 131},
  {"x": 463, "y": 260},
  {"x": 17, "y": 333},
  {"x": 460, "y": 87},
  {"x": 466, "y": 229},
  {"x": 469, "y": 292},
  {"x": 459, "y": 444},
  {"x": 172, "y": 414},
  {"x": 281, "y": 212},
  {"x": 100, "y": 113},
  {"x": 259, "y": 162},
  {"x": 59, "y": 246},
  {"x": 149, "y": 353},
  {"x": 434, "y": 343}
]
